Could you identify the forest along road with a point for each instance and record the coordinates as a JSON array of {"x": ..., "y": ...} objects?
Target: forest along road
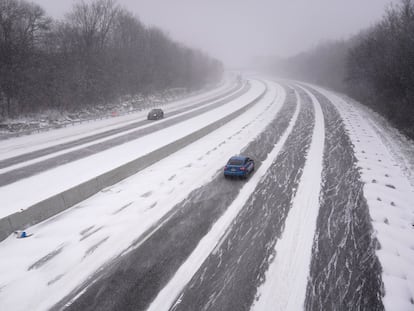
[{"x": 133, "y": 131}]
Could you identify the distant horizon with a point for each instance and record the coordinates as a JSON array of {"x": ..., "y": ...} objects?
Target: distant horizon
[{"x": 238, "y": 33}]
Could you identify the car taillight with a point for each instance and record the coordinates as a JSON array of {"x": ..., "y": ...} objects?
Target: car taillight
[
  {"x": 225, "y": 168},
  {"x": 242, "y": 168}
]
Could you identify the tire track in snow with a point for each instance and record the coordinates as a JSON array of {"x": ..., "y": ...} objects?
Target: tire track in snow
[
  {"x": 345, "y": 272},
  {"x": 135, "y": 280},
  {"x": 228, "y": 279}
]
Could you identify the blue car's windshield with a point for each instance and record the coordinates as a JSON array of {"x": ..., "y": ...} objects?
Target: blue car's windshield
[{"x": 235, "y": 162}]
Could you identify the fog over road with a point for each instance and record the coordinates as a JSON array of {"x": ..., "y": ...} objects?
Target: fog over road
[{"x": 179, "y": 236}]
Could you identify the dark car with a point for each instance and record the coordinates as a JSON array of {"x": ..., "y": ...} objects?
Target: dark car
[
  {"x": 155, "y": 114},
  {"x": 239, "y": 166}
]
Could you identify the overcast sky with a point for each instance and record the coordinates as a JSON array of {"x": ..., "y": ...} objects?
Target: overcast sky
[{"x": 237, "y": 31}]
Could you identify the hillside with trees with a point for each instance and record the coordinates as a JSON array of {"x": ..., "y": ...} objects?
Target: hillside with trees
[
  {"x": 96, "y": 54},
  {"x": 376, "y": 67}
]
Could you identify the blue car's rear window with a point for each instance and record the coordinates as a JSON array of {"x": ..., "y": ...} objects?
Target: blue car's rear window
[{"x": 235, "y": 162}]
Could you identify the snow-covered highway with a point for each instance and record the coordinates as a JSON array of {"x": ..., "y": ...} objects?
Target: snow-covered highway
[{"x": 322, "y": 224}]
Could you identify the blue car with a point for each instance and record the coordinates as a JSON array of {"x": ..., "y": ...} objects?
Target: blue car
[{"x": 239, "y": 166}]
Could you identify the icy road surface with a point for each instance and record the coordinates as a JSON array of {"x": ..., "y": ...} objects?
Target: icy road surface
[{"x": 326, "y": 222}]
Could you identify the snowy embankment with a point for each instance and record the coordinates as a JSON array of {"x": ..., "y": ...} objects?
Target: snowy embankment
[
  {"x": 68, "y": 248},
  {"x": 56, "y": 180},
  {"x": 390, "y": 198}
]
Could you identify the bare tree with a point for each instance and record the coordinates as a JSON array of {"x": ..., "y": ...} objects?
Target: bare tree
[
  {"x": 21, "y": 25},
  {"x": 92, "y": 23}
]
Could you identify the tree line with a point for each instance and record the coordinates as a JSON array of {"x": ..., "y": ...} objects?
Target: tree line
[
  {"x": 376, "y": 67},
  {"x": 96, "y": 54}
]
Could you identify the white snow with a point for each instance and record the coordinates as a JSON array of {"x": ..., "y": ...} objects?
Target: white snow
[
  {"x": 169, "y": 294},
  {"x": 119, "y": 214},
  {"x": 56, "y": 180},
  {"x": 390, "y": 198},
  {"x": 286, "y": 280},
  {"x": 401, "y": 147}
]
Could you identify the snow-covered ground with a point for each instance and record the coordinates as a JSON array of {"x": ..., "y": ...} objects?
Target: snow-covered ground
[
  {"x": 390, "y": 197},
  {"x": 399, "y": 145},
  {"x": 74, "y": 244}
]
